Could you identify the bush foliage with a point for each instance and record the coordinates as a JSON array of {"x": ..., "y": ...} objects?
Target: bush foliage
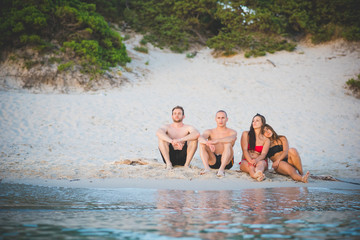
[
  {"x": 354, "y": 85},
  {"x": 73, "y": 24},
  {"x": 256, "y": 26},
  {"x": 252, "y": 26}
]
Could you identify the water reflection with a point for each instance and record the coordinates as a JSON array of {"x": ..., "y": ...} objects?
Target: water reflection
[
  {"x": 194, "y": 211},
  {"x": 263, "y": 213},
  {"x": 33, "y": 212}
]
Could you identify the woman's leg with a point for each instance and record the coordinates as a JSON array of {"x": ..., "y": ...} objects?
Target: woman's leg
[
  {"x": 288, "y": 170},
  {"x": 254, "y": 172},
  {"x": 295, "y": 160},
  {"x": 260, "y": 168},
  {"x": 245, "y": 167}
]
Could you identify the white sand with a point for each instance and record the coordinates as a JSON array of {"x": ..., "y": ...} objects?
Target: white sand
[{"x": 85, "y": 135}]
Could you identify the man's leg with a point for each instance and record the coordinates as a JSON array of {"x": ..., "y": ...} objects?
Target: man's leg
[
  {"x": 207, "y": 157},
  {"x": 164, "y": 149},
  {"x": 191, "y": 149},
  {"x": 226, "y": 157}
]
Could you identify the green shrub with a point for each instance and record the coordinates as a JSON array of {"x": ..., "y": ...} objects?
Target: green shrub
[
  {"x": 141, "y": 49},
  {"x": 191, "y": 55},
  {"x": 53, "y": 60},
  {"x": 29, "y": 63},
  {"x": 248, "y": 54},
  {"x": 143, "y": 42},
  {"x": 354, "y": 85},
  {"x": 232, "y": 26},
  {"x": 81, "y": 32},
  {"x": 66, "y": 66}
]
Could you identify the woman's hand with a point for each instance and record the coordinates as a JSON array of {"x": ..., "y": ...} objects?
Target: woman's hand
[
  {"x": 252, "y": 162},
  {"x": 275, "y": 164}
]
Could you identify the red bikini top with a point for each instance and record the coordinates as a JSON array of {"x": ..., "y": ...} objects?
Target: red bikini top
[{"x": 257, "y": 148}]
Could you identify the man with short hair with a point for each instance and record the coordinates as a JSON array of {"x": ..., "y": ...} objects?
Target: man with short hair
[
  {"x": 177, "y": 141},
  {"x": 216, "y": 146}
]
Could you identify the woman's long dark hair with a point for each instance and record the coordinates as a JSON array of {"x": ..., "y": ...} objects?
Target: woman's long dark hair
[
  {"x": 252, "y": 137},
  {"x": 275, "y": 137}
]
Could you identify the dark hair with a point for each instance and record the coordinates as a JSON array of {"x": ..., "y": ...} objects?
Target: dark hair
[
  {"x": 178, "y": 107},
  {"x": 222, "y": 111},
  {"x": 275, "y": 137},
  {"x": 252, "y": 137}
]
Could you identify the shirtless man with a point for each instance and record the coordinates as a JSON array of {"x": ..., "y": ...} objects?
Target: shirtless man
[
  {"x": 177, "y": 141},
  {"x": 216, "y": 146}
]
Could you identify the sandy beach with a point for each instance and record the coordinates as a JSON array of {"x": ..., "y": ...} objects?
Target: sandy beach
[{"x": 107, "y": 137}]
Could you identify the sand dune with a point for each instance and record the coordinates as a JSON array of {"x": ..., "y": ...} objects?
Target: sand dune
[{"x": 86, "y": 135}]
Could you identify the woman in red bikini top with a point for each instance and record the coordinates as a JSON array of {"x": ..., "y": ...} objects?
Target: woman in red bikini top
[{"x": 255, "y": 146}]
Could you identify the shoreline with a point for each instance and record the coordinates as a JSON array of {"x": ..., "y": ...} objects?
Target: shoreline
[{"x": 183, "y": 184}]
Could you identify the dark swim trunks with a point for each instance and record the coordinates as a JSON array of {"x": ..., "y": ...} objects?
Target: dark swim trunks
[
  {"x": 177, "y": 157},
  {"x": 218, "y": 163}
]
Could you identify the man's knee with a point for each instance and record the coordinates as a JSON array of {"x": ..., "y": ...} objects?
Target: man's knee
[
  {"x": 163, "y": 143},
  {"x": 192, "y": 143},
  {"x": 202, "y": 146},
  {"x": 228, "y": 147}
]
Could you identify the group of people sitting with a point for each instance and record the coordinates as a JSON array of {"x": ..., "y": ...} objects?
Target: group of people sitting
[{"x": 178, "y": 143}]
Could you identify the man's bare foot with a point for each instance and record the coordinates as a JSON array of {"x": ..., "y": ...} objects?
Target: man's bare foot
[
  {"x": 169, "y": 166},
  {"x": 205, "y": 171},
  {"x": 220, "y": 174},
  {"x": 304, "y": 179},
  {"x": 259, "y": 176}
]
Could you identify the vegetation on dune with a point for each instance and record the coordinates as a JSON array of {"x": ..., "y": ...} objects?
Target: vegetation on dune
[
  {"x": 354, "y": 85},
  {"x": 253, "y": 26},
  {"x": 73, "y": 25}
]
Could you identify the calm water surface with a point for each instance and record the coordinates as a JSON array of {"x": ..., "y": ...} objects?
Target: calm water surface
[{"x": 35, "y": 212}]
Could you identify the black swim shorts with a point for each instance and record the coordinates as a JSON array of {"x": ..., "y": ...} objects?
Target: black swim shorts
[
  {"x": 177, "y": 157},
  {"x": 218, "y": 163}
]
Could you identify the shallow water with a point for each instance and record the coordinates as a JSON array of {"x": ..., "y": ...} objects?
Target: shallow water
[{"x": 35, "y": 212}]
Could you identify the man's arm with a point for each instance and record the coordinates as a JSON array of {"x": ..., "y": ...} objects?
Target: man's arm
[
  {"x": 193, "y": 135},
  {"x": 229, "y": 139},
  {"x": 161, "y": 133},
  {"x": 203, "y": 138}
]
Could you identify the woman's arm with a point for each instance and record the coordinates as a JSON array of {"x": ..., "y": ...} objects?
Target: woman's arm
[
  {"x": 244, "y": 146},
  {"x": 285, "y": 151},
  {"x": 264, "y": 151}
]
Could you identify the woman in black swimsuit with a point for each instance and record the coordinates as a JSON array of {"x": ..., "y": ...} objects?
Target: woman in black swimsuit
[{"x": 285, "y": 161}]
